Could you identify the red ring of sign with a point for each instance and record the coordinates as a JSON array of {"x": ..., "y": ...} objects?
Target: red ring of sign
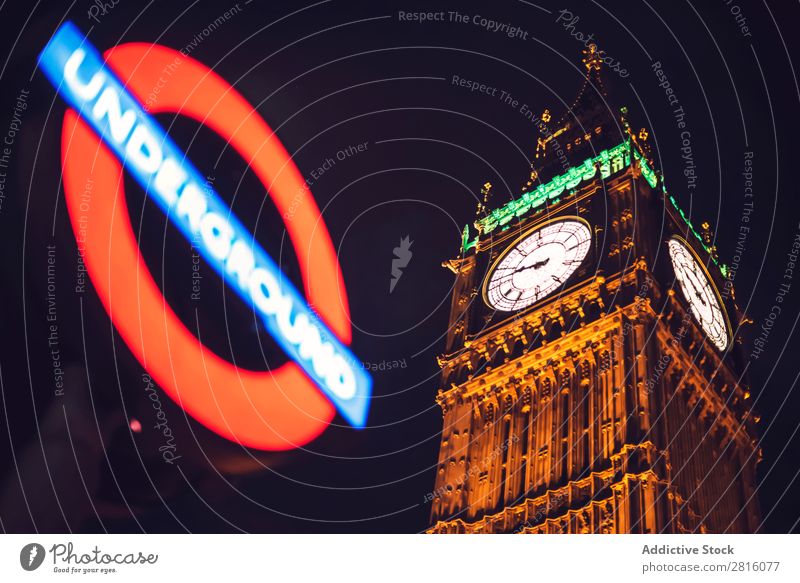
[{"x": 273, "y": 410}]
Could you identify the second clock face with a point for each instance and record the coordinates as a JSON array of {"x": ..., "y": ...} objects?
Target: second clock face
[
  {"x": 538, "y": 265},
  {"x": 699, "y": 292}
]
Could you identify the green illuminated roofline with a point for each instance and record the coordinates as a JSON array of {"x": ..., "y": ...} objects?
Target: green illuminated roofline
[
  {"x": 722, "y": 267},
  {"x": 609, "y": 162}
]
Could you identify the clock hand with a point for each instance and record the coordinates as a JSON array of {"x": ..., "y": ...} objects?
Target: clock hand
[
  {"x": 697, "y": 294},
  {"x": 683, "y": 278},
  {"x": 692, "y": 290},
  {"x": 699, "y": 297},
  {"x": 537, "y": 265}
]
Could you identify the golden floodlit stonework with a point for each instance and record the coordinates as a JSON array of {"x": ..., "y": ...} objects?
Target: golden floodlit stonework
[{"x": 603, "y": 407}]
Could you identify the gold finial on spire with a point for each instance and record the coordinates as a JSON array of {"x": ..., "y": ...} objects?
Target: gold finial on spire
[
  {"x": 532, "y": 179},
  {"x": 534, "y": 175},
  {"x": 705, "y": 232},
  {"x": 708, "y": 238},
  {"x": 591, "y": 59},
  {"x": 483, "y": 204}
]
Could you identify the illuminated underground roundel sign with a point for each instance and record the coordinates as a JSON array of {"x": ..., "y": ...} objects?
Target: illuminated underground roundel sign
[{"x": 108, "y": 129}]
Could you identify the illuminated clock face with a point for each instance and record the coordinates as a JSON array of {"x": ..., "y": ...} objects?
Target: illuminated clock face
[
  {"x": 538, "y": 265},
  {"x": 699, "y": 292}
]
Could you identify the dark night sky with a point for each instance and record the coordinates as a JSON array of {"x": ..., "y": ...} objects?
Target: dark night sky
[{"x": 339, "y": 74}]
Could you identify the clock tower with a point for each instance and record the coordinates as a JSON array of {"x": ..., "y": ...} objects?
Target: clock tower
[{"x": 592, "y": 376}]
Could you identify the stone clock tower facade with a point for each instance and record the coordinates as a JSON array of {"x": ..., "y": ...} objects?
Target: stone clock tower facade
[{"x": 592, "y": 376}]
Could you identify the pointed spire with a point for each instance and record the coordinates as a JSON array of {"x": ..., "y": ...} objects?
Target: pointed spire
[
  {"x": 591, "y": 58},
  {"x": 592, "y": 94},
  {"x": 579, "y": 123},
  {"x": 594, "y": 73}
]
